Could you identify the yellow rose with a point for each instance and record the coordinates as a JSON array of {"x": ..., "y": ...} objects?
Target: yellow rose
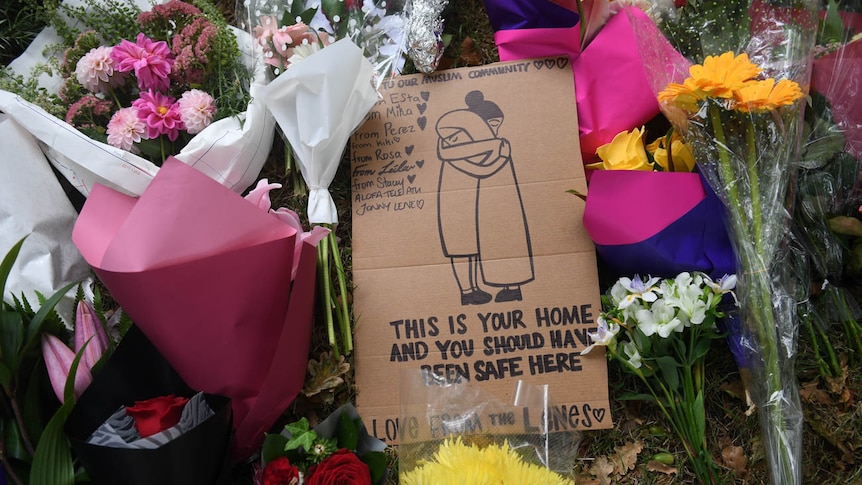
[
  {"x": 625, "y": 152},
  {"x": 683, "y": 159}
]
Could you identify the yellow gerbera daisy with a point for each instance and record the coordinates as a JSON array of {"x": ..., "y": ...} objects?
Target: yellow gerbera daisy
[
  {"x": 720, "y": 76},
  {"x": 767, "y": 95},
  {"x": 455, "y": 462}
]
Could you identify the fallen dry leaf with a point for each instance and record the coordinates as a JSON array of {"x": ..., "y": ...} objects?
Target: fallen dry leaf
[
  {"x": 657, "y": 466},
  {"x": 837, "y": 384},
  {"x": 812, "y": 393},
  {"x": 627, "y": 456},
  {"x": 602, "y": 469},
  {"x": 734, "y": 458}
]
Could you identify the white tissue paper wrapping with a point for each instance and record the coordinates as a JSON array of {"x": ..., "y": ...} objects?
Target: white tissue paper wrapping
[{"x": 318, "y": 103}]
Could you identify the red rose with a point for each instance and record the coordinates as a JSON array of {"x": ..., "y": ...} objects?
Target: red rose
[
  {"x": 342, "y": 467},
  {"x": 157, "y": 414},
  {"x": 280, "y": 472}
]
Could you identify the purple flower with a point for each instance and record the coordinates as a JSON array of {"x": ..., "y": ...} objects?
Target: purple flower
[
  {"x": 125, "y": 129},
  {"x": 160, "y": 113},
  {"x": 196, "y": 110},
  {"x": 151, "y": 60}
]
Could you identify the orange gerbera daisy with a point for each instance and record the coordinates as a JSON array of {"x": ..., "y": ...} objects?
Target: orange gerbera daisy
[
  {"x": 720, "y": 76},
  {"x": 767, "y": 95},
  {"x": 685, "y": 95}
]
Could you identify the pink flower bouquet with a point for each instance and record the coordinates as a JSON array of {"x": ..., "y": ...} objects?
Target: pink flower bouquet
[
  {"x": 166, "y": 79},
  {"x": 209, "y": 278}
]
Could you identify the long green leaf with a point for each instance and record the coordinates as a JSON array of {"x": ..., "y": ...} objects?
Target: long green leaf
[
  {"x": 11, "y": 338},
  {"x": 6, "y": 267},
  {"x": 5, "y": 377},
  {"x": 52, "y": 463}
]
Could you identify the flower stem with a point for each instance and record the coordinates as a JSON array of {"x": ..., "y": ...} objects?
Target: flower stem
[
  {"x": 342, "y": 300},
  {"x": 754, "y": 255},
  {"x": 326, "y": 284}
]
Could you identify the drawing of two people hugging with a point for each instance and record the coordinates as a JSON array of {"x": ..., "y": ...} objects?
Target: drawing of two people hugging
[{"x": 481, "y": 218}]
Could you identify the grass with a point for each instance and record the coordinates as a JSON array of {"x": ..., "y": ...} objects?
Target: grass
[{"x": 832, "y": 437}]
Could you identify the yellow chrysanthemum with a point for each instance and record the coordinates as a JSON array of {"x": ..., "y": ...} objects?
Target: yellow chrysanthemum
[
  {"x": 456, "y": 462},
  {"x": 720, "y": 76},
  {"x": 625, "y": 152},
  {"x": 767, "y": 95}
]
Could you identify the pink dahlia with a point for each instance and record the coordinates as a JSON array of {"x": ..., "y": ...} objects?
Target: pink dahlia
[
  {"x": 196, "y": 110},
  {"x": 160, "y": 113},
  {"x": 95, "y": 71},
  {"x": 151, "y": 60},
  {"x": 125, "y": 129}
]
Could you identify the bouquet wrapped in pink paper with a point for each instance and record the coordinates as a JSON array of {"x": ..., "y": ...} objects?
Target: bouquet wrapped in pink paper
[
  {"x": 612, "y": 90},
  {"x": 207, "y": 276}
]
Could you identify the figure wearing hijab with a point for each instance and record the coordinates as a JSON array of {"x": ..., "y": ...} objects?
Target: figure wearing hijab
[{"x": 478, "y": 189}]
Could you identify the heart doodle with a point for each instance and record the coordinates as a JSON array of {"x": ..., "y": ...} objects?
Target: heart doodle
[
  {"x": 419, "y": 163},
  {"x": 562, "y": 62},
  {"x": 425, "y": 95},
  {"x": 411, "y": 178},
  {"x": 599, "y": 414},
  {"x": 420, "y": 203},
  {"x": 421, "y": 121},
  {"x": 408, "y": 149},
  {"x": 549, "y": 63},
  {"x": 538, "y": 64},
  {"x": 422, "y": 107}
]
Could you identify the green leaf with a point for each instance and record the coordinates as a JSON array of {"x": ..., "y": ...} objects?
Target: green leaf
[
  {"x": 11, "y": 339},
  {"x": 6, "y": 267},
  {"x": 52, "y": 463},
  {"x": 300, "y": 436},
  {"x": 348, "y": 432},
  {"x": 273, "y": 447},
  {"x": 832, "y": 25},
  {"x": 5, "y": 377},
  {"x": 333, "y": 8},
  {"x": 13, "y": 441},
  {"x": 32, "y": 410},
  {"x": 668, "y": 367},
  {"x": 69, "y": 388},
  {"x": 699, "y": 415},
  {"x": 376, "y": 461},
  {"x": 701, "y": 348},
  {"x": 46, "y": 309}
]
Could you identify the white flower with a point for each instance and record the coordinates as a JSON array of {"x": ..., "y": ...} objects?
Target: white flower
[
  {"x": 604, "y": 335},
  {"x": 125, "y": 129},
  {"x": 196, "y": 110},
  {"x": 686, "y": 293},
  {"x": 631, "y": 351},
  {"x": 725, "y": 284},
  {"x": 661, "y": 318},
  {"x": 302, "y": 51},
  {"x": 95, "y": 71},
  {"x": 635, "y": 289}
]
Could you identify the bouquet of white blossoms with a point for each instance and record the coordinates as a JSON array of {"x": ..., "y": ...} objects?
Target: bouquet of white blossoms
[{"x": 661, "y": 331}]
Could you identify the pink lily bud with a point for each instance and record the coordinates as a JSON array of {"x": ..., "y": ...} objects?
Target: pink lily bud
[
  {"x": 259, "y": 195},
  {"x": 58, "y": 359},
  {"x": 88, "y": 327},
  {"x": 314, "y": 236}
]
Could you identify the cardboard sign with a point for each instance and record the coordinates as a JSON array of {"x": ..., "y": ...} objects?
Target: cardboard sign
[{"x": 469, "y": 257}]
